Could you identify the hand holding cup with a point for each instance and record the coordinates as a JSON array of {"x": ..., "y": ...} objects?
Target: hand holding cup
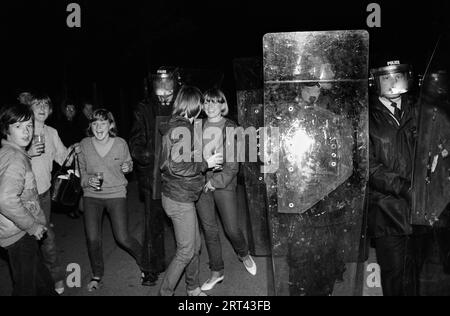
[
  {"x": 40, "y": 140},
  {"x": 37, "y": 146},
  {"x": 96, "y": 181},
  {"x": 215, "y": 161}
]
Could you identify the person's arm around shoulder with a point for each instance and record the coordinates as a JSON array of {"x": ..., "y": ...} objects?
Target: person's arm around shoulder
[{"x": 190, "y": 168}]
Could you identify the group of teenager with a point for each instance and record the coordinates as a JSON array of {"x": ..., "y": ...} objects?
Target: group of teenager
[
  {"x": 25, "y": 192},
  {"x": 190, "y": 190}
]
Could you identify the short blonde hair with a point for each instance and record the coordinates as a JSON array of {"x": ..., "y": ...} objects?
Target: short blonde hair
[
  {"x": 189, "y": 102},
  {"x": 41, "y": 98},
  {"x": 103, "y": 115},
  {"x": 217, "y": 96}
]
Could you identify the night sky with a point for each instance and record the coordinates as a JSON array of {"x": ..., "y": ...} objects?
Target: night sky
[{"x": 120, "y": 41}]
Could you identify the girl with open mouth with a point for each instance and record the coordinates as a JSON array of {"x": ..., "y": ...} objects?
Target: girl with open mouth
[{"x": 105, "y": 153}]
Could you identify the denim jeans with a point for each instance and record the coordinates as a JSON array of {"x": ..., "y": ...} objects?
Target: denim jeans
[
  {"x": 153, "y": 257},
  {"x": 31, "y": 277},
  {"x": 93, "y": 220},
  {"x": 226, "y": 202},
  {"x": 187, "y": 236},
  {"x": 48, "y": 244}
]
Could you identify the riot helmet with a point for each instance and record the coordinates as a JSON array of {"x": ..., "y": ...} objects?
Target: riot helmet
[
  {"x": 165, "y": 84},
  {"x": 314, "y": 74},
  {"x": 393, "y": 80},
  {"x": 436, "y": 84},
  {"x": 314, "y": 70}
]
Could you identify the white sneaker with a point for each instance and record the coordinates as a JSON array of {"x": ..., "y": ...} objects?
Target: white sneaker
[
  {"x": 196, "y": 292},
  {"x": 59, "y": 287},
  {"x": 209, "y": 285},
  {"x": 249, "y": 264},
  {"x": 60, "y": 291}
]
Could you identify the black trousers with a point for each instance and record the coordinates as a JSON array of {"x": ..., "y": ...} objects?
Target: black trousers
[
  {"x": 395, "y": 255},
  {"x": 30, "y": 276},
  {"x": 93, "y": 222},
  {"x": 153, "y": 257}
]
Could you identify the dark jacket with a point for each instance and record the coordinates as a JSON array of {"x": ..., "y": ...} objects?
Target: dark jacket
[
  {"x": 391, "y": 157},
  {"x": 142, "y": 143},
  {"x": 83, "y": 124},
  {"x": 227, "y": 178},
  {"x": 182, "y": 181},
  {"x": 145, "y": 142},
  {"x": 69, "y": 131}
]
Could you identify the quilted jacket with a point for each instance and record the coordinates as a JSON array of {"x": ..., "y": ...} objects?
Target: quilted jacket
[{"x": 20, "y": 212}]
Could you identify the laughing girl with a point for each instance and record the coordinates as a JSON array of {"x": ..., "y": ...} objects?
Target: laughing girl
[{"x": 103, "y": 152}]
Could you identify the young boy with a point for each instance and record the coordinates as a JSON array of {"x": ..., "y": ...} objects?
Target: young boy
[
  {"x": 22, "y": 221},
  {"x": 42, "y": 156}
]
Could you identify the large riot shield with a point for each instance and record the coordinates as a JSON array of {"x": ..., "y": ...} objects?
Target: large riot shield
[
  {"x": 431, "y": 212},
  {"x": 248, "y": 74},
  {"x": 316, "y": 100},
  {"x": 432, "y": 163}
]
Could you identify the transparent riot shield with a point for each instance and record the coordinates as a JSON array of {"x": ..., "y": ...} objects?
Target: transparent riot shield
[
  {"x": 248, "y": 74},
  {"x": 316, "y": 100},
  {"x": 432, "y": 162},
  {"x": 431, "y": 211}
]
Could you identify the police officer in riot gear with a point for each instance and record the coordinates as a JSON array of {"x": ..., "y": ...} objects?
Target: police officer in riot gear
[
  {"x": 145, "y": 152},
  {"x": 165, "y": 86},
  {"x": 391, "y": 129}
]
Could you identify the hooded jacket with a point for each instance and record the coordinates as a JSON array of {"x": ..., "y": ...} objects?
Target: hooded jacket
[
  {"x": 182, "y": 181},
  {"x": 391, "y": 159},
  {"x": 20, "y": 212}
]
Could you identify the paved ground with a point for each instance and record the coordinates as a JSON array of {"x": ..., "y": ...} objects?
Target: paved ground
[
  {"x": 122, "y": 276},
  {"x": 121, "y": 273}
]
